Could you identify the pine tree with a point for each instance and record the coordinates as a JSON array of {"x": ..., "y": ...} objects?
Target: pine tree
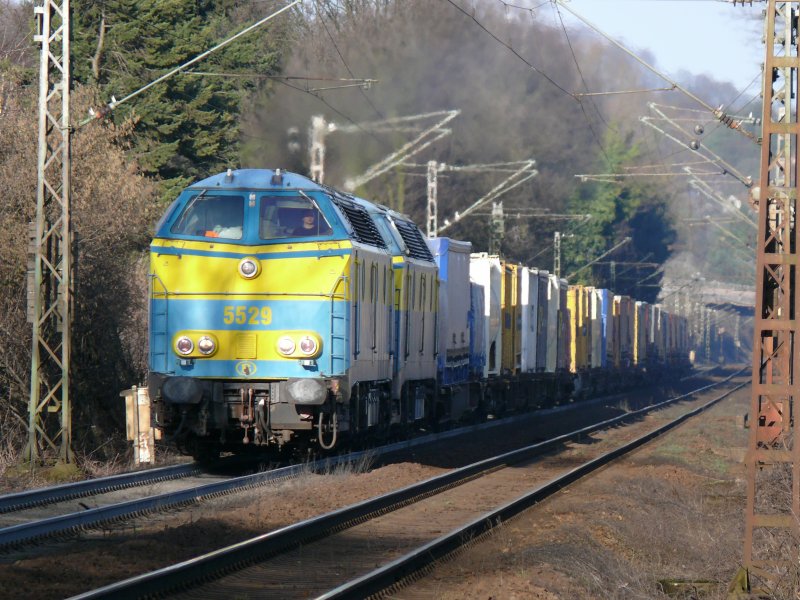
[
  {"x": 188, "y": 126},
  {"x": 625, "y": 208}
]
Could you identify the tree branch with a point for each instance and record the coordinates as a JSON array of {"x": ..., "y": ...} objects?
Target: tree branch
[{"x": 98, "y": 55}]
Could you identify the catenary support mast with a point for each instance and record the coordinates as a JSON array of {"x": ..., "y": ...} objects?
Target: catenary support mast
[
  {"x": 50, "y": 287},
  {"x": 771, "y": 528}
]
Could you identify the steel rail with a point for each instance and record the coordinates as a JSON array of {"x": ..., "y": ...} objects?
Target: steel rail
[
  {"x": 392, "y": 574},
  {"x": 59, "y": 525},
  {"x": 78, "y": 489},
  {"x": 250, "y": 551}
]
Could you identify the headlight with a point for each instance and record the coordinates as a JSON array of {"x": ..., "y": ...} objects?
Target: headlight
[
  {"x": 206, "y": 345},
  {"x": 184, "y": 345},
  {"x": 286, "y": 345},
  {"x": 308, "y": 346},
  {"x": 248, "y": 267}
]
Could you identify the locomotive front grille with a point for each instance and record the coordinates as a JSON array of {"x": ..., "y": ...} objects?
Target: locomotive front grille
[{"x": 245, "y": 345}]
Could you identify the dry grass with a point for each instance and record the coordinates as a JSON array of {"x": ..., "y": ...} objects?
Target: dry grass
[
  {"x": 358, "y": 467},
  {"x": 662, "y": 531},
  {"x": 673, "y": 512},
  {"x": 773, "y": 496},
  {"x": 105, "y": 467}
]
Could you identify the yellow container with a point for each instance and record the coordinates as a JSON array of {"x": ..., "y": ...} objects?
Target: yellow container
[
  {"x": 511, "y": 318},
  {"x": 579, "y": 324}
]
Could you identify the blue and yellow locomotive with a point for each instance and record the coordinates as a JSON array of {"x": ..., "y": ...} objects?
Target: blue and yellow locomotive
[{"x": 285, "y": 312}]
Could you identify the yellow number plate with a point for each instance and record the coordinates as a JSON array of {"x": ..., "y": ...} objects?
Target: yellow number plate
[{"x": 246, "y": 315}]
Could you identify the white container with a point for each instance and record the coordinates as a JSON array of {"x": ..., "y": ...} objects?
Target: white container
[{"x": 529, "y": 307}]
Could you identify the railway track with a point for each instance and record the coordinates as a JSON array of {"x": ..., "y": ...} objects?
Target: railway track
[
  {"x": 23, "y": 526},
  {"x": 22, "y": 521},
  {"x": 389, "y": 537},
  {"x": 91, "y": 487}
]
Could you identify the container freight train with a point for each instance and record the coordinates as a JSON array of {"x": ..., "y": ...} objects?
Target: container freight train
[{"x": 287, "y": 314}]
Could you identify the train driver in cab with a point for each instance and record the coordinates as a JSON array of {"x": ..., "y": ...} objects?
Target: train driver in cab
[{"x": 310, "y": 224}]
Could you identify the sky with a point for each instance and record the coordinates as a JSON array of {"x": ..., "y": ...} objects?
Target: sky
[{"x": 701, "y": 36}]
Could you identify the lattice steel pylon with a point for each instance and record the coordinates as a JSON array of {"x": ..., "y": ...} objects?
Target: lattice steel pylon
[
  {"x": 50, "y": 292},
  {"x": 772, "y": 535}
]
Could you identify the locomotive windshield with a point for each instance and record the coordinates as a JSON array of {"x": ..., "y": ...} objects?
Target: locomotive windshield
[
  {"x": 213, "y": 217},
  {"x": 291, "y": 216}
]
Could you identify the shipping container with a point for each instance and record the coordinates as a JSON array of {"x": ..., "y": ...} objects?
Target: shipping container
[
  {"x": 641, "y": 327},
  {"x": 600, "y": 311},
  {"x": 529, "y": 309},
  {"x": 562, "y": 363},
  {"x": 579, "y": 328},
  {"x": 511, "y": 317},
  {"x": 623, "y": 325},
  {"x": 477, "y": 331},
  {"x": 486, "y": 270},
  {"x": 452, "y": 257},
  {"x": 541, "y": 321}
]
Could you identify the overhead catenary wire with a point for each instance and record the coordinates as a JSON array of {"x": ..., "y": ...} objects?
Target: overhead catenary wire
[
  {"x": 542, "y": 73},
  {"x": 285, "y": 81},
  {"x": 424, "y": 139},
  {"x": 529, "y": 9},
  {"x": 346, "y": 82},
  {"x": 733, "y": 236},
  {"x": 614, "y": 177},
  {"x": 603, "y": 255},
  {"x": 575, "y": 96},
  {"x": 333, "y": 109},
  {"x": 114, "y": 103},
  {"x": 633, "y": 264},
  {"x": 715, "y": 158},
  {"x": 524, "y": 173},
  {"x": 344, "y": 62},
  {"x": 281, "y": 79},
  {"x": 549, "y": 244},
  {"x": 705, "y": 189},
  {"x": 621, "y": 92},
  {"x": 182, "y": 70},
  {"x": 653, "y": 274},
  {"x": 717, "y": 112},
  {"x": 511, "y": 49},
  {"x": 585, "y": 86},
  {"x": 746, "y": 260}
]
